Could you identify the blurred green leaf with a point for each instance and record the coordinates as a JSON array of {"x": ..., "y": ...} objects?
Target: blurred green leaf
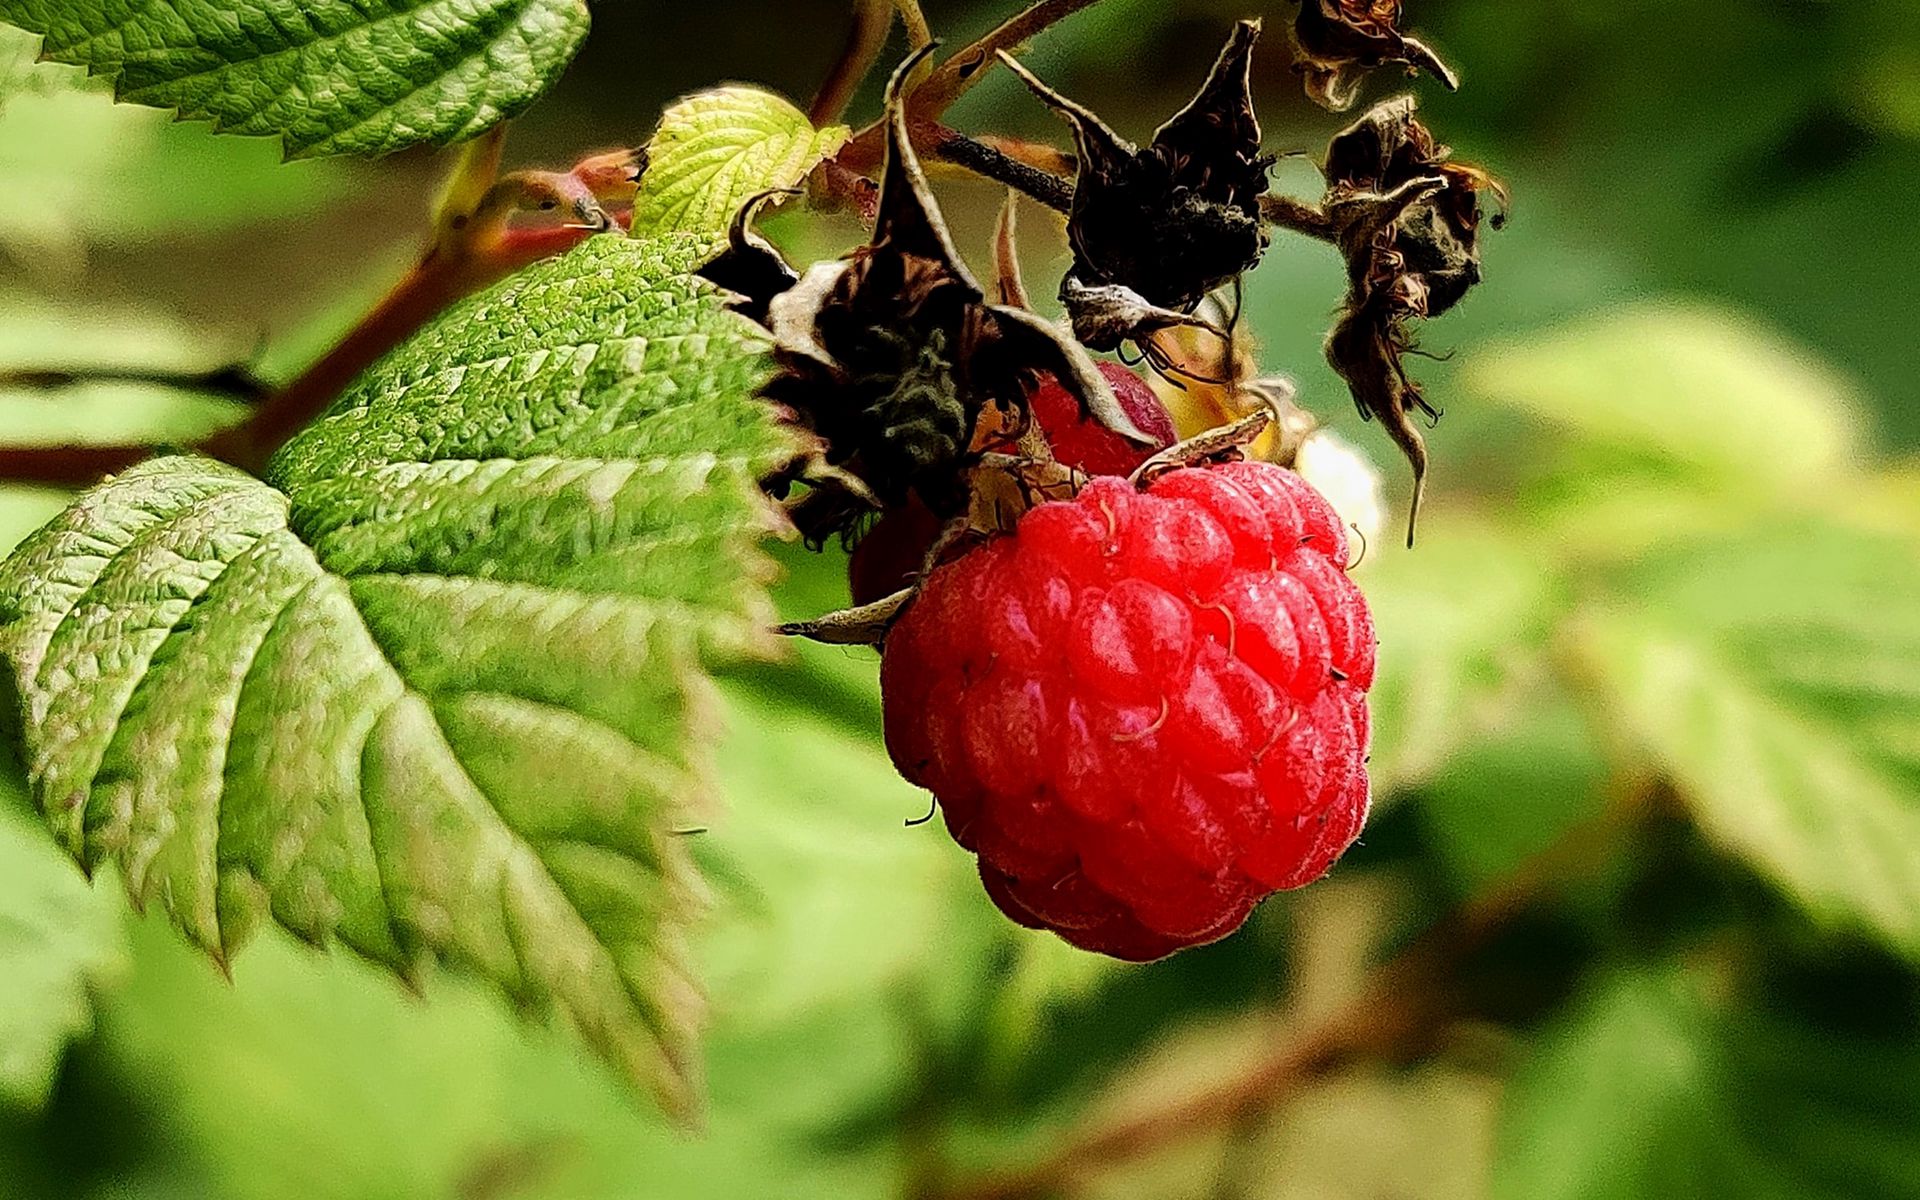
[
  {"x": 78, "y": 172},
  {"x": 1699, "y": 389},
  {"x": 1462, "y": 621},
  {"x": 1497, "y": 803},
  {"x": 1647, "y": 1089},
  {"x": 715, "y": 150},
  {"x": 58, "y": 942},
  {"x": 433, "y": 698},
  {"x": 845, "y": 899},
  {"x": 334, "y": 77},
  {"x": 1776, "y": 679}
]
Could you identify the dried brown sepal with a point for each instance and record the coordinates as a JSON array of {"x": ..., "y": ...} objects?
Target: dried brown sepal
[
  {"x": 1367, "y": 348},
  {"x": 1171, "y": 222},
  {"x": 892, "y": 355},
  {"x": 750, "y": 267},
  {"x": 1006, "y": 487},
  {"x": 1227, "y": 443},
  {"x": 1390, "y": 147},
  {"x": 1008, "y": 284},
  {"x": 1338, "y": 42},
  {"x": 1208, "y": 381},
  {"x": 864, "y": 626},
  {"x": 1106, "y": 316}
]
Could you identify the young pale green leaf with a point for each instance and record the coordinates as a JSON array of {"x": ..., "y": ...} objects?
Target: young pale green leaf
[
  {"x": 1691, "y": 387},
  {"x": 1777, "y": 682},
  {"x": 328, "y": 76},
  {"x": 1648, "y": 1088},
  {"x": 57, "y": 942},
  {"x": 716, "y": 149},
  {"x": 431, "y": 689}
]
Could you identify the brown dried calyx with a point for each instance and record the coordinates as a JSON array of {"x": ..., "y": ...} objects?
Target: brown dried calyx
[
  {"x": 1407, "y": 220},
  {"x": 892, "y": 354},
  {"x": 1340, "y": 41},
  {"x": 1155, "y": 230}
]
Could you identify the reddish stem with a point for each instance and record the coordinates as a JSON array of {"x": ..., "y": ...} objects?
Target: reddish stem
[{"x": 440, "y": 279}]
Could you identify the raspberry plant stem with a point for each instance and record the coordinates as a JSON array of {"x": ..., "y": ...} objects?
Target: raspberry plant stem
[
  {"x": 996, "y": 164},
  {"x": 956, "y": 76},
  {"x": 866, "y": 38}
]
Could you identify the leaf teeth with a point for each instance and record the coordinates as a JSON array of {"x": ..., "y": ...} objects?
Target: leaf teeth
[
  {"x": 369, "y": 78},
  {"x": 720, "y": 150},
  {"x": 436, "y": 699}
]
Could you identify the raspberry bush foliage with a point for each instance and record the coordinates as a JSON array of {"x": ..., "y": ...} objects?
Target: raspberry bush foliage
[{"x": 857, "y": 643}]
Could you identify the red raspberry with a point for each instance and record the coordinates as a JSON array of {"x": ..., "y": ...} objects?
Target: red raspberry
[
  {"x": 1092, "y": 447},
  {"x": 1144, "y": 712},
  {"x": 892, "y": 554}
]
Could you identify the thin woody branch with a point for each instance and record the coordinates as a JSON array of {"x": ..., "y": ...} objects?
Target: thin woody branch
[
  {"x": 992, "y": 162},
  {"x": 956, "y": 76},
  {"x": 474, "y": 245},
  {"x": 866, "y": 38},
  {"x": 235, "y": 380}
]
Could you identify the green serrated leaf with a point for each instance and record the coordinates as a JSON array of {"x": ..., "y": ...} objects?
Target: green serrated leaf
[
  {"x": 431, "y": 690},
  {"x": 717, "y": 149},
  {"x": 1777, "y": 681},
  {"x": 1650, "y": 1088},
  {"x": 58, "y": 942},
  {"x": 329, "y": 76}
]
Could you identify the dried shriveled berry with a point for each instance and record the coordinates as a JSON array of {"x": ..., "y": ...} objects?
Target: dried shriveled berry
[
  {"x": 892, "y": 355},
  {"x": 1155, "y": 229},
  {"x": 1143, "y": 711},
  {"x": 1407, "y": 218},
  {"x": 1340, "y": 41}
]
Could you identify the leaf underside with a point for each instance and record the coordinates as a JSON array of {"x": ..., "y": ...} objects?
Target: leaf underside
[
  {"x": 431, "y": 688},
  {"x": 329, "y": 76}
]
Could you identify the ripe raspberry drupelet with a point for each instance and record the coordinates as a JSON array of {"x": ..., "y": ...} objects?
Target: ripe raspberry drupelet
[{"x": 1146, "y": 711}]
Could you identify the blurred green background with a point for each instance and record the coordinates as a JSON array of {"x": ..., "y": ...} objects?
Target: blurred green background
[{"x": 1648, "y": 726}]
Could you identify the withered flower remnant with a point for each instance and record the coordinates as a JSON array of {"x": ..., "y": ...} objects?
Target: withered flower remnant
[
  {"x": 1407, "y": 219},
  {"x": 1340, "y": 41},
  {"x": 891, "y": 355},
  {"x": 1156, "y": 229}
]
